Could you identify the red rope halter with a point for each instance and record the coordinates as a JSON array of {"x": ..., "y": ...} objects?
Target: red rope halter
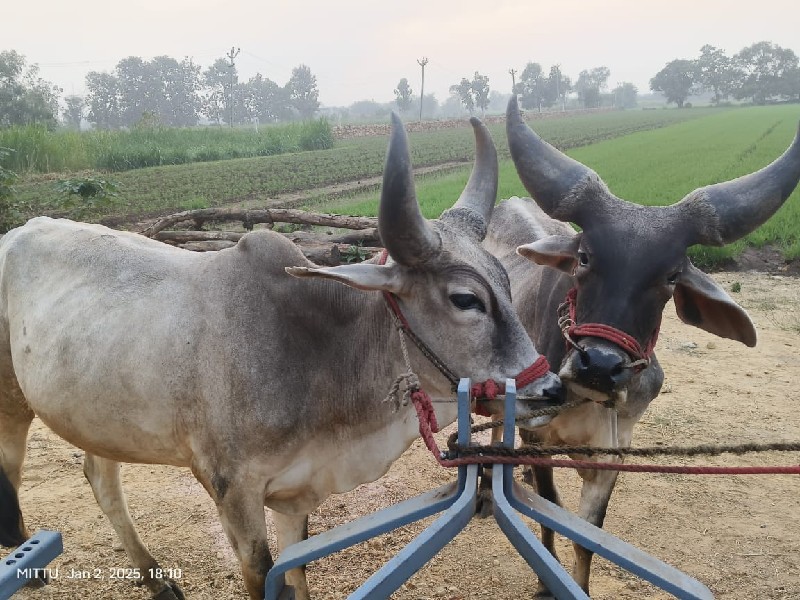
[
  {"x": 486, "y": 390},
  {"x": 571, "y": 330}
]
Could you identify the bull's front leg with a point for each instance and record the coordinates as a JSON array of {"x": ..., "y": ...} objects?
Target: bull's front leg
[
  {"x": 599, "y": 485},
  {"x": 241, "y": 512},
  {"x": 291, "y": 529},
  {"x": 595, "y": 495}
]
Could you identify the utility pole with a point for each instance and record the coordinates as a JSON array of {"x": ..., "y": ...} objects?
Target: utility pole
[
  {"x": 232, "y": 55},
  {"x": 513, "y": 73},
  {"x": 422, "y": 64}
]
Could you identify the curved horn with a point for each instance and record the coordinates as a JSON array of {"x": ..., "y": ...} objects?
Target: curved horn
[
  {"x": 548, "y": 174},
  {"x": 730, "y": 210},
  {"x": 406, "y": 234},
  {"x": 474, "y": 207}
]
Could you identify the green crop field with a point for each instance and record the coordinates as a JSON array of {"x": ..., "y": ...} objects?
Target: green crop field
[{"x": 659, "y": 167}]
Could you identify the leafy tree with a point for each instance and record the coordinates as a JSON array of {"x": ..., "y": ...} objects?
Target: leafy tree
[
  {"x": 625, "y": 95},
  {"x": 266, "y": 100},
  {"x": 25, "y": 98},
  {"x": 464, "y": 93},
  {"x": 102, "y": 98},
  {"x": 676, "y": 80},
  {"x": 766, "y": 71},
  {"x": 180, "y": 84},
  {"x": 403, "y": 93},
  {"x": 303, "y": 92},
  {"x": 480, "y": 91},
  {"x": 73, "y": 113},
  {"x": 217, "y": 81},
  {"x": 532, "y": 86},
  {"x": 557, "y": 86},
  {"x": 590, "y": 84},
  {"x": 715, "y": 72}
]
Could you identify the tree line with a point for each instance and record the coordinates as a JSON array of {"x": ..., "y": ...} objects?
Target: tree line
[
  {"x": 161, "y": 91},
  {"x": 174, "y": 93},
  {"x": 537, "y": 89},
  {"x": 760, "y": 73}
]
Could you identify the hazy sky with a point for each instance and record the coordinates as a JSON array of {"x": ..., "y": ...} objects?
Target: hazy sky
[{"x": 360, "y": 49}]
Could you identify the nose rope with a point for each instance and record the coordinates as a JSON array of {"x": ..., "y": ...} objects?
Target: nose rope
[
  {"x": 572, "y": 330},
  {"x": 486, "y": 390}
]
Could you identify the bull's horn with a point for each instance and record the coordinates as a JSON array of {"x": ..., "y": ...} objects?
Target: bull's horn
[
  {"x": 473, "y": 208},
  {"x": 727, "y": 211},
  {"x": 547, "y": 173},
  {"x": 406, "y": 234}
]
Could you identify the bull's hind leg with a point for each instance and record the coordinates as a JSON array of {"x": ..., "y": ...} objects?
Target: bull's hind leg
[
  {"x": 103, "y": 476},
  {"x": 290, "y": 530},
  {"x": 15, "y": 420}
]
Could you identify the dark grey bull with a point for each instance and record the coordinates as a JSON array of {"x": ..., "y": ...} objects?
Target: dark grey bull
[
  {"x": 252, "y": 366},
  {"x": 627, "y": 262}
]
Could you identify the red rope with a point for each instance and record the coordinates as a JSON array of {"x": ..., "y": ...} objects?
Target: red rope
[{"x": 606, "y": 332}]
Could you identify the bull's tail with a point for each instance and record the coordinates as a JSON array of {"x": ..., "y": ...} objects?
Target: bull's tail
[{"x": 12, "y": 529}]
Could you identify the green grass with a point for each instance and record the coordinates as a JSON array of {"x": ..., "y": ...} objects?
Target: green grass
[{"x": 37, "y": 150}]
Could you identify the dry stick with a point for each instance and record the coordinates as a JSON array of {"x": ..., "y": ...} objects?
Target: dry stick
[{"x": 271, "y": 215}]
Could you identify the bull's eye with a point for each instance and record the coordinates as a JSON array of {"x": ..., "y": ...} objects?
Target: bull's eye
[
  {"x": 467, "y": 302},
  {"x": 673, "y": 279},
  {"x": 583, "y": 259}
]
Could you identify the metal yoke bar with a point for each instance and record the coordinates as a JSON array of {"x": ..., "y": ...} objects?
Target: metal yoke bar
[
  {"x": 459, "y": 500},
  {"x": 546, "y": 566},
  {"x": 593, "y": 538},
  {"x": 28, "y": 561}
]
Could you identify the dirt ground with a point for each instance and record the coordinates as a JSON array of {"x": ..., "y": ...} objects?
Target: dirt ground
[{"x": 740, "y": 535}]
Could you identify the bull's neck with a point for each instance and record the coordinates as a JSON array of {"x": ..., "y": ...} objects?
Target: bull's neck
[{"x": 374, "y": 341}]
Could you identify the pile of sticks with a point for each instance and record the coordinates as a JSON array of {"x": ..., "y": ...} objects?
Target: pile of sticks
[{"x": 321, "y": 247}]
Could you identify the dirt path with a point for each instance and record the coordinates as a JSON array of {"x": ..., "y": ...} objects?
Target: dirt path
[{"x": 738, "y": 535}]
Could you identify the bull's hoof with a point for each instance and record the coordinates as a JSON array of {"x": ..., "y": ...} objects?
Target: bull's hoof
[
  {"x": 38, "y": 582},
  {"x": 484, "y": 505},
  {"x": 170, "y": 592}
]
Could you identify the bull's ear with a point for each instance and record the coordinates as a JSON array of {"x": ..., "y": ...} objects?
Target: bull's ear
[
  {"x": 699, "y": 301},
  {"x": 362, "y": 276},
  {"x": 557, "y": 251}
]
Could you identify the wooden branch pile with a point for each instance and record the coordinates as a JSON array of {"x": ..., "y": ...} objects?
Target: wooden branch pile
[{"x": 322, "y": 248}]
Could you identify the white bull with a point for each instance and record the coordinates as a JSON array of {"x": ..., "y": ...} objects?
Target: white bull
[{"x": 251, "y": 366}]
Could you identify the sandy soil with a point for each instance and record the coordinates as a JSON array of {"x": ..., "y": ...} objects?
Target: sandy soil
[{"x": 740, "y": 535}]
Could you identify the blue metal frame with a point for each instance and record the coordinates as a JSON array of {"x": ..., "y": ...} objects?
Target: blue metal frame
[
  {"x": 458, "y": 500},
  {"x": 28, "y": 561}
]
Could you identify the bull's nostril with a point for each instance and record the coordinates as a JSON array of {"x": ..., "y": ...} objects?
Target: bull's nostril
[{"x": 557, "y": 393}]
